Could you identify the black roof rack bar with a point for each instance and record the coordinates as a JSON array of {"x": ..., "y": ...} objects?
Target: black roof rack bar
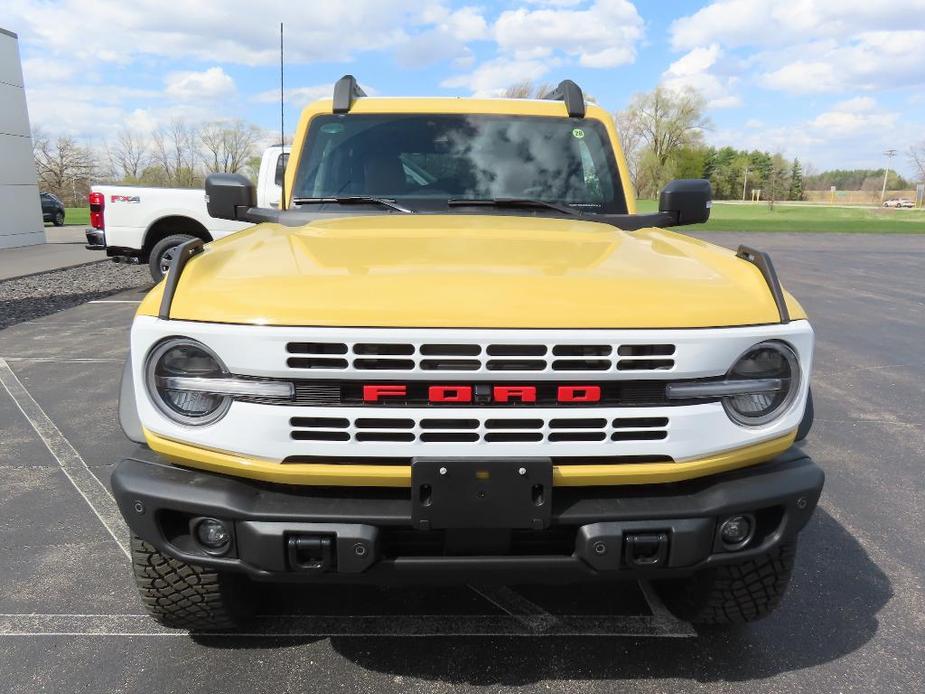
[
  {"x": 571, "y": 94},
  {"x": 185, "y": 251},
  {"x": 345, "y": 91},
  {"x": 762, "y": 261}
]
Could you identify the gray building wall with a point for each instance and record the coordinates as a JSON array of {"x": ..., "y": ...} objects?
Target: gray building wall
[{"x": 20, "y": 209}]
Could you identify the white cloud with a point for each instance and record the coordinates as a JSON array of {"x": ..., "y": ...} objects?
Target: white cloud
[
  {"x": 695, "y": 70},
  {"x": 602, "y": 35},
  {"x": 491, "y": 78},
  {"x": 858, "y": 116},
  {"x": 849, "y": 134},
  {"x": 303, "y": 95},
  {"x": 764, "y": 23},
  {"x": 207, "y": 85},
  {"x": 596, "y": 34},
  {"x": 811, "y": 46},
  {"x": 868, "y": 61}
]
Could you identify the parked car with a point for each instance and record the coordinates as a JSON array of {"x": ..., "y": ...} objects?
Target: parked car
[
  {"x": 52, "y": 209},
  {"x": 492, "y": 369},
  {"x": 899, "y": 202},
  {"x": 137, "y": 224}
]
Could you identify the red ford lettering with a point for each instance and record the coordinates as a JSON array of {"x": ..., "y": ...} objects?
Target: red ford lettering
[
  {"x": 450, "y": 394},
  {"x": 372, "y": 393},
  {"x": 579, "y": 394},
  {"x": 520, "y": 393}
]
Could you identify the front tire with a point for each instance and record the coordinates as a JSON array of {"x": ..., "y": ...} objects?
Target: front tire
[
  {"x": 163, "y": 253},
  {"x": 58, "y": 219},
  {"x": 733, "y": 593},
  {"x": 183, "y": 596}
]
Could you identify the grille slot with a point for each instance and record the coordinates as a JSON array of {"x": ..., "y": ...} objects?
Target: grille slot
[
  {"x": 644, "y": 364},
  {"x": 316, "y": 348},
  {"x": 383, "y": 364},
  {"x": 451, "y": 350},
  {"x": 316, "y": 363},
  {"x": 404, "y": 436},
  {"x": 581, "y": 365},
  {"x": 442, "y": 436},
  {"x": 512, "y": 436},
  {"x": 450, "y": 364},
  {"x": 639, "y": 422},
  {"x": 309, "y": 435},
  {"x": 449, "y": 424},
  {"x": 577, "y": 436},
  {"x": 647, "y": 435},
  {"x": 516, "y": 365},
  {"x": 513, "y": 423},
  {"x": 582, "y": 350},
  {"x": 516, "y": 350},
  {"x": 387, "y": 349},
  {"x": 319, "y": 422},
  {"x": 370, "y": 423},
  {"x": 645, "y": 350},
  {"x": 577, "y": 423}
]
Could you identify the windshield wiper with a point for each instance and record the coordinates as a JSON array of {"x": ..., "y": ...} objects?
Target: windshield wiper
[
  {"x": 354, "y": 200},
  {"x": 511, "y": 202}
]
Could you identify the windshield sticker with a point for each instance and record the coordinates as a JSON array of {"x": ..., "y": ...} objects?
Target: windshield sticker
[{"x": 578, "y": 133}]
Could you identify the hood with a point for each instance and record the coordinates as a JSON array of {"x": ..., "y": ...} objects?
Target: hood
[{"x": 468, "y": 271}]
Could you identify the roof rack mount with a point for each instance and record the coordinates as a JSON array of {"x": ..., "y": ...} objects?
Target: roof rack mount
[
  {"x": 571, "y": 94},
  {"x": 345, "y": 91}
]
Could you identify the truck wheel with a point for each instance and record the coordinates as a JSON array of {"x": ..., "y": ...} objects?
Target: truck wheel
[
  {"x": 58, "y": 219},
  {"x": 733, "y": 593},
  {"x": 163, "y": 253},
  {"x": 184, "y": 596}
]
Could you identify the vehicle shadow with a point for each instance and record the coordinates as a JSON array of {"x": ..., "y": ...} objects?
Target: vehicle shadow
[{"x": 830, "y": 611}]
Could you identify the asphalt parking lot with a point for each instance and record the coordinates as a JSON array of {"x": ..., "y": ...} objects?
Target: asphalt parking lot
[{"x": 854, "y": 618}]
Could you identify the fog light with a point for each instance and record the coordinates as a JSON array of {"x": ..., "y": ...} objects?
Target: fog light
[
  {"x": 736, "y": 531},
  {"x": 213, "y": 535}
]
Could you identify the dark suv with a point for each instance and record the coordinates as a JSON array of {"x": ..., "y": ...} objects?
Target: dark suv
[{"x": 52, "y": 209}]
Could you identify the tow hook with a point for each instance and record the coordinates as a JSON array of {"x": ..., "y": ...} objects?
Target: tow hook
[
  {"x": 310, "y": 553},
  {"x": 645, "y": 550}
]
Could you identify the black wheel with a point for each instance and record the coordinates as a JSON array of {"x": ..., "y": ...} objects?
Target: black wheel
[
  {"x": 184, "y": 596},
  {"x": 734, "y": 593},
  {"x": 163, "y": 253},
  {"x": 58, "y": 219}
]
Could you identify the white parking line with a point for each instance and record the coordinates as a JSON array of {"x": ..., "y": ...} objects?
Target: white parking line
[
  {"x": 326, "y": 626},
  {"x": 74, "y": 467}
]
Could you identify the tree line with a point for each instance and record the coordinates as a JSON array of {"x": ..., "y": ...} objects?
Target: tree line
[{"x": 179, "y": 154}]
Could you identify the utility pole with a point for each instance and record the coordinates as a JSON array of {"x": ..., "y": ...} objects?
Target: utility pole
[
  {"x": 890, "y": 153},
  {"x": 745, "y": 183}
]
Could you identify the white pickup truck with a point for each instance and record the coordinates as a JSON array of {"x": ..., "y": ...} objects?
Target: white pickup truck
[{"x": 136, "y": 224}]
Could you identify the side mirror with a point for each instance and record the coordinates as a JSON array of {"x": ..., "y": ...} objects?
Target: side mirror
[
  {"x": 229, "y": 196},
  {"x": 687, "y": 200}
]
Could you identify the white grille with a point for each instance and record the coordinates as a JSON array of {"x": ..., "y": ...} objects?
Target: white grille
[{"x": 469, "y": 357}]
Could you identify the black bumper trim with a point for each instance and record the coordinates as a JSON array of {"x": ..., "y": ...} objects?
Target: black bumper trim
[
  {"x": 687, "y": 512},
  {"x": 96, "y": 240}
]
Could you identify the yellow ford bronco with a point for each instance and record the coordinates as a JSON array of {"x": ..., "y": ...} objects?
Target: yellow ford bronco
[{"x": 457, "y": 353}]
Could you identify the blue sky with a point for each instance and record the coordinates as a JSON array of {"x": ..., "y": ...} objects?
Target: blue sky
[{"x": 835, "y": 82}]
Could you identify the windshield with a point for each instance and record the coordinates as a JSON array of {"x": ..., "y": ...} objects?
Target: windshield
[{"x": 426, "y": 159}]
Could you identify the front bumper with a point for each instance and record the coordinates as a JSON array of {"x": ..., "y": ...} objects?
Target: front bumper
[{"x": 369, "y": 536}]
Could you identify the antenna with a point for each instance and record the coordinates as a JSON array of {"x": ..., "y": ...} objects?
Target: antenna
[{"x": 282, "y": 119}]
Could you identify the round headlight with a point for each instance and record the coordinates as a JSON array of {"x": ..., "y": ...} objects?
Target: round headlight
[
  {"x": 767, "y": 360},
  {"x": 183, "y": 357}
]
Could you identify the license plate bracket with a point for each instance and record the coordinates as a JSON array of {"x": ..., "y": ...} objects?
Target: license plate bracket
[{"x": 481, "y": 493}]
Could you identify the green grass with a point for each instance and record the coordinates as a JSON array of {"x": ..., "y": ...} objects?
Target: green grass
[
  {"x": 810, "y": 218},
  {"x": 77, "y": 215}
]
